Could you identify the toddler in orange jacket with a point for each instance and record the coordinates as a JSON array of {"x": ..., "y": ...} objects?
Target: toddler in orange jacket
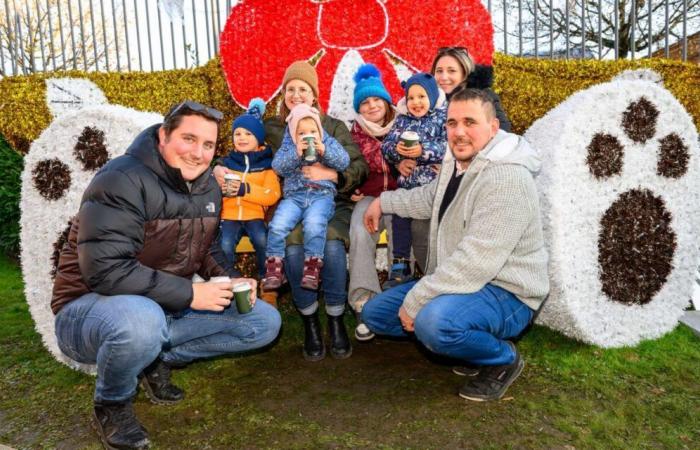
[{"x": 255, "y": 189}]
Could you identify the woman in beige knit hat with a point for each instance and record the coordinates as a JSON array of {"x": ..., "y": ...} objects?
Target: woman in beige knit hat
[{"x": 300, "y": 85}]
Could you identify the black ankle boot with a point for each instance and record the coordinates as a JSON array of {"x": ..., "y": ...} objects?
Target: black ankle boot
[
  {"x": 118, "y": 427},
  {"x": 156, "y": 384},
  {"x": 340, "y": 343},
  {"x": 313, "y": 339}
]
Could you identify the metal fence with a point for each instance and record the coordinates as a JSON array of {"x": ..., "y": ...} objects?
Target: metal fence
[{"x": 151, "y": 35}]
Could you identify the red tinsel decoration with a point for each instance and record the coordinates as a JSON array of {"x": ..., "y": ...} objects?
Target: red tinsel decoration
[{"x": 261, "y": 38}]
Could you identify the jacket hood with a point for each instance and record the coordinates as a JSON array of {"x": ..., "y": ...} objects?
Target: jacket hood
[
  {"x": 145, "y": 148},
  {"x": 507, "y": 148},
  {"x": 401, "y": 107}
]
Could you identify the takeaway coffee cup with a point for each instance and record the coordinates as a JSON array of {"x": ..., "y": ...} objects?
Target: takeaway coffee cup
[
  {"x": 229, "y": 179},
  {"x": 241, "y": 293},
  {"x": 409, "y": 138},
  {"x": 310, "y": 152}
]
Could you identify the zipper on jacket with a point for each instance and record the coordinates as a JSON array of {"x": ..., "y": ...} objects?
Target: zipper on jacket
[
  {"x": 189, "y": 247},
  {"x": 243, "y": 178},
  {"x": 203, "y": 236}
]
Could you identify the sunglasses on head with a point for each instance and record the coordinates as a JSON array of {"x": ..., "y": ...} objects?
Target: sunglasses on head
[
  {"x": 211, "y": 113},
  {"x": 453, "y": 49}
]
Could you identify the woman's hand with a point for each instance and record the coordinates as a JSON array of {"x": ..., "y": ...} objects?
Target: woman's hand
[
  {"x": 406, "y": 166},
  {"x": 357, "y": 196},
  {"x": 319, "y": 172},
  {"x": 219, "y": 172},
  {"x": 409, "y": 152}
]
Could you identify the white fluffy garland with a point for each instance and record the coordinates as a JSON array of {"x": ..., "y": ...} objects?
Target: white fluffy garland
[
  {"x": 573, "y": 202},
  {"x": 44, "y": 220}
]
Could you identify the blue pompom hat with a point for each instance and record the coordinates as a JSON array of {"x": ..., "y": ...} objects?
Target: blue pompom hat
[
  {"x": 252, "y": 120},
  {"x": 368, "y": 83},
  {"x": 427, "y": 82}
]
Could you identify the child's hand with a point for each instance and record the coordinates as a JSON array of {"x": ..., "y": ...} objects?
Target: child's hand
[
  {"x": 233, "y": 188},
  {"x": 409, "y": 152},
  {"x": 320, "y": 148},
  {"x": 406, "y": 166},
  {"x": 302, "y": 145}
]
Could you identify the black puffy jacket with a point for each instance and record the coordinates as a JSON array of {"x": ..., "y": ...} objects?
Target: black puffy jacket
[{"x": 142, "y": 230}]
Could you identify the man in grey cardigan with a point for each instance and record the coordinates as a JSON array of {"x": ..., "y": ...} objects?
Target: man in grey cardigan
[{"x": 487, "y": 265}]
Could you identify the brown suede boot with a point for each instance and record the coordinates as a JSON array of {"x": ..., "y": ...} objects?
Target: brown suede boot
[{"x": 269, "y": 297}]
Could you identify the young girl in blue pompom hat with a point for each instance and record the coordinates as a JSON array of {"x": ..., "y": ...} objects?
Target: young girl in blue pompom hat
[
  {"x": 255, "y": 188},
  {"x": 424, "y": 112},
  {"x": 375, "y": 118}
]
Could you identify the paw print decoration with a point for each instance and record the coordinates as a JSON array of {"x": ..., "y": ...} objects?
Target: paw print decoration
[
  {"x": 620, "y": 198},
  {"x": 86, "y": 133}
]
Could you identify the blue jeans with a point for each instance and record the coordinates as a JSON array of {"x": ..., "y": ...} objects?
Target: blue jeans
[
  {"x": 123, "y": 334},
  {"x": 333, "y": 273},
  {"x": 470, "y": 327},
  {"x": 231, "y": 233},
  {"x": 314, "y": 208}
]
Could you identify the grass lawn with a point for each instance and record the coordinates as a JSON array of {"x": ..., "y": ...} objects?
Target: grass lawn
[{"x": 387, "y": 395}]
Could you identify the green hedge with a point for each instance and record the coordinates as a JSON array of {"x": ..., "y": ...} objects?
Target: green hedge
[{"x": 11, "y": 164}]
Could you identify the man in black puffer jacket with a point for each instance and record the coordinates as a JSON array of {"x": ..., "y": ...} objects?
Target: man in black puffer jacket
[{"x": 123, "y": 294}]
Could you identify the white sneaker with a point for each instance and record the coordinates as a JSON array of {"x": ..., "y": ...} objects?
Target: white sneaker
[{"x": 363, "y": 333}]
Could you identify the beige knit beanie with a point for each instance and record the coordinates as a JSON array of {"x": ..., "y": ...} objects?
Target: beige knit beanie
[{"x": 302, "y": 70}]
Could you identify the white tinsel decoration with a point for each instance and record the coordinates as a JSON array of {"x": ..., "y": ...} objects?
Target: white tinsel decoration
[
  {"x": 44, "y": 220},
  {"x": 695, "y": 297},
  {"x": 573, "y": 202},
  {"x": 343, "y": 87},
  {"x": 65, "y": 95},
  {"x": 640, "y": 74}
]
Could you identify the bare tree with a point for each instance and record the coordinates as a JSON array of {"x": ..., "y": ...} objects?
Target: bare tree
[
  {"x": 628, "y": 25},
  {"x": 40, "y": 35}
]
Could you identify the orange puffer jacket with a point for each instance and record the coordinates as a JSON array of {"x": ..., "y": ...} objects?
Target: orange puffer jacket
[{"x": 260, "y": 185}]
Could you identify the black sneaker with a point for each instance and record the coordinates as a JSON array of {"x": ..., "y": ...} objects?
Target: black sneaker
[
  {"x": 466, "y": 370},
  {"x": 400, "y": 273},
  {"x": 118, "y": 427},
  {"x": 362, "y": 331},
  {"x": 156, "y": 384},
  {"x": 493, "y": 381}
]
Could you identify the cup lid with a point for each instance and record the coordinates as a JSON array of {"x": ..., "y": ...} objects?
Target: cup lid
[{"x": 241, "y": 286}]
